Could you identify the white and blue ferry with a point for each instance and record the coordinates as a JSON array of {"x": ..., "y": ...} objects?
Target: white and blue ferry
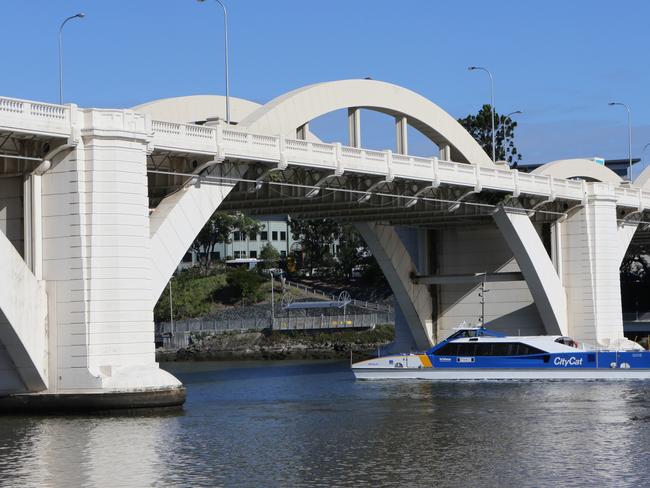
[{"x": 476, "y": 353}]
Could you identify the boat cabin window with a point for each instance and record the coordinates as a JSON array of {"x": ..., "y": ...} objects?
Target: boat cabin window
[
  {"x": 487, "y": 349},
  {"x": 567, "y": 341},
  {"x": 463, "y": 333}
]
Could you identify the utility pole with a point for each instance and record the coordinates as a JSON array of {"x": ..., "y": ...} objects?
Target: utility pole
[
  {"x": 171, "y": 307},
  {"x": 272, "y": 300},
  {"x": 481, "y": 294}
]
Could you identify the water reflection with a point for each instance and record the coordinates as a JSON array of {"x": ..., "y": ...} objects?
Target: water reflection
[{"x": 309, "y": 424}]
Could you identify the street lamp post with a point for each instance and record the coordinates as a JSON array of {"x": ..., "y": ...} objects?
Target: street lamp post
[
  {"x": 480, "y": 68},
  {"x": 629, "y": 134},
  {"x": 80, "y": 15},
  {"x": 171, "y": 307},
  {"x": 272, "y": 299},
  {"x": 225, "y": 40}
]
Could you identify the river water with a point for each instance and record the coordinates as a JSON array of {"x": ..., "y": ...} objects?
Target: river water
[{"x": 294, "y": 424}]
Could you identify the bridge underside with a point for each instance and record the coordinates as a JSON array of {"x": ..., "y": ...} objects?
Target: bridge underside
[{"x": 447, "y": 231}]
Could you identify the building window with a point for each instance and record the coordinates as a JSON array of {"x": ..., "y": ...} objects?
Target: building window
[
  {"x": 283, "y": 254},
  {"x": 237, "y": 254},
  {"x": 254, "y": 254},
  {"x": 236, "y": 236},
  {"x": 283, "y": 236},
  {"x": 264, "y": 235},
  {"x": 274, "y": 235},
  {"x": 253, "y": 237}
]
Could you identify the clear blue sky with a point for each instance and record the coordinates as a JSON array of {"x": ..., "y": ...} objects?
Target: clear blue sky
[{"x": 558, "y": 61}]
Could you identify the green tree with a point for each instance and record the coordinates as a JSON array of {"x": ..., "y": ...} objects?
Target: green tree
[
  {"x": 316, "y": 235},
  {"x": 216, "y": 230},
  {"x": 245, "y": 283},
  {"x": 248, "y": 227},
  {"x": 270, "y": 255},
  {"x": 480, "y": 127},
  {"x": 351, "y": 252}
]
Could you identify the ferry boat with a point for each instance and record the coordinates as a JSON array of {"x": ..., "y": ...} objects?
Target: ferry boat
[{"x": 476, "y": 353}]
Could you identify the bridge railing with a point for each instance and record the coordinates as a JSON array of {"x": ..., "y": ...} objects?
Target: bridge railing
[
  {"x": 36, "y": 117},
  {"x": 231, "y": 142}
]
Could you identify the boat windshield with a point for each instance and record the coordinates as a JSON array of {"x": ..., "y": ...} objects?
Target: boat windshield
[
  {"x": 464, "y": 333},
  {"x": 567, "y": 341}
]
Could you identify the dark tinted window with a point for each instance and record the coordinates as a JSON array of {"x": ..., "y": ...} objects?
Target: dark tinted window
[{"x": 487, "y": 349}]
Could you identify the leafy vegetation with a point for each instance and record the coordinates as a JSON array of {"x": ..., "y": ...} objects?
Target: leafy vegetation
[
  {"x": 480, "y": 127},
  {"x": 193, "y": 295},
  {"x": 270, "y": 255},
  {"x": 245, "y": 284}
]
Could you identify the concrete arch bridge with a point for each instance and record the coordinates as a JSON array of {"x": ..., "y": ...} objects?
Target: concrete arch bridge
[{"x": 98, "y": 206}]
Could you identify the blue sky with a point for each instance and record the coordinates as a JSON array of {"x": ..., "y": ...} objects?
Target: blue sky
[{"x": 558, "y": 61}]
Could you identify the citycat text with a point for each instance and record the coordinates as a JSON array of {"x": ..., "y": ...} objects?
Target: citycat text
[{"x": 572, "y": 361}]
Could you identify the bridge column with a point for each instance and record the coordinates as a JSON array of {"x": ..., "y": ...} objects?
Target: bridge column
[
  {"x": 445, "y": 153},
  {"x": 97, "y": 262},
  {"x": 398, "y": 257},
  {"x": 537, "y": 268},
  {"x": 354, "y": 127},
  {"x": 591, "y": 258},
  {"x": 401, "y": 133}
]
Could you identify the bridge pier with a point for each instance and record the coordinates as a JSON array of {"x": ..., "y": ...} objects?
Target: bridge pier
[
  {"x": 591, "y": 257},
  {"x": 398, "y": 259},
  {"x": 96, "y": 267}
]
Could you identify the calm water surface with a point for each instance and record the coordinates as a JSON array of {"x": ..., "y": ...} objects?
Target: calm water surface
[{"x": 297, "y": 424}]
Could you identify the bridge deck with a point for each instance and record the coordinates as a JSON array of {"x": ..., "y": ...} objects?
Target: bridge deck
[{"x": 236, "y": 144}]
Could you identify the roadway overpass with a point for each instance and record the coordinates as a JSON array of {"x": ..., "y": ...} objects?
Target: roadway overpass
[{"x": 98, "y": 206}]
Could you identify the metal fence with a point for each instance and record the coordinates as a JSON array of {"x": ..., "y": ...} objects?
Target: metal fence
[
  {"x": 178, "y": 335},
  {"x": 359, "y": 303}
]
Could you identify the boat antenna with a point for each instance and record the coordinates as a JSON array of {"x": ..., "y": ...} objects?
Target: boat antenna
[{"x": 481, "y": 294}]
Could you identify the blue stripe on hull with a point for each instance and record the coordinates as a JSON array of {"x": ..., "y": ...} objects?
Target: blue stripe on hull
[{"x": 577, "y": 360}]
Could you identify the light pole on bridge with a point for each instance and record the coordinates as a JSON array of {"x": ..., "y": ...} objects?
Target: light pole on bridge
[
  {"x": 80, "y": 15},
  {"x": 225, "y": 40},
  {"x": 480, "y": 68},
  {"x": 629, "y": 134}
]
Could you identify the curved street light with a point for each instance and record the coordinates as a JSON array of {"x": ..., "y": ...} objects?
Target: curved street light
[
  {"x": 80, "y": 15},
  {"x": 629, "y": 133},
  {"x": 480, "y": 68},
  {"x": 225, "y": 40}
]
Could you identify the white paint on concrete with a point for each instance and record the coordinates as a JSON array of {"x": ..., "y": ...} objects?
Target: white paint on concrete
[
  {"x": 196, "y": 108},
  {"x": 536, "y": 266},
  {"x": 286, "y": 113},
  {"x": 179, "y": 217},
  {"x": 414, "y": 300},
  {"x": 23, "y": 327},
  {"x": 478, "y": 249}
]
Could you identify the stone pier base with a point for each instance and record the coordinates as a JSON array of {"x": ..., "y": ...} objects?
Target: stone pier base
[{"x": 166, "y": 398}]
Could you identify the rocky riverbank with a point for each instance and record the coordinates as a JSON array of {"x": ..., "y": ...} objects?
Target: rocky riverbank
[{"x": 276, "y": 345}]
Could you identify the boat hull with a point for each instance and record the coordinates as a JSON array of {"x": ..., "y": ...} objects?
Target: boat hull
[{"x": 478, "y": 374}]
